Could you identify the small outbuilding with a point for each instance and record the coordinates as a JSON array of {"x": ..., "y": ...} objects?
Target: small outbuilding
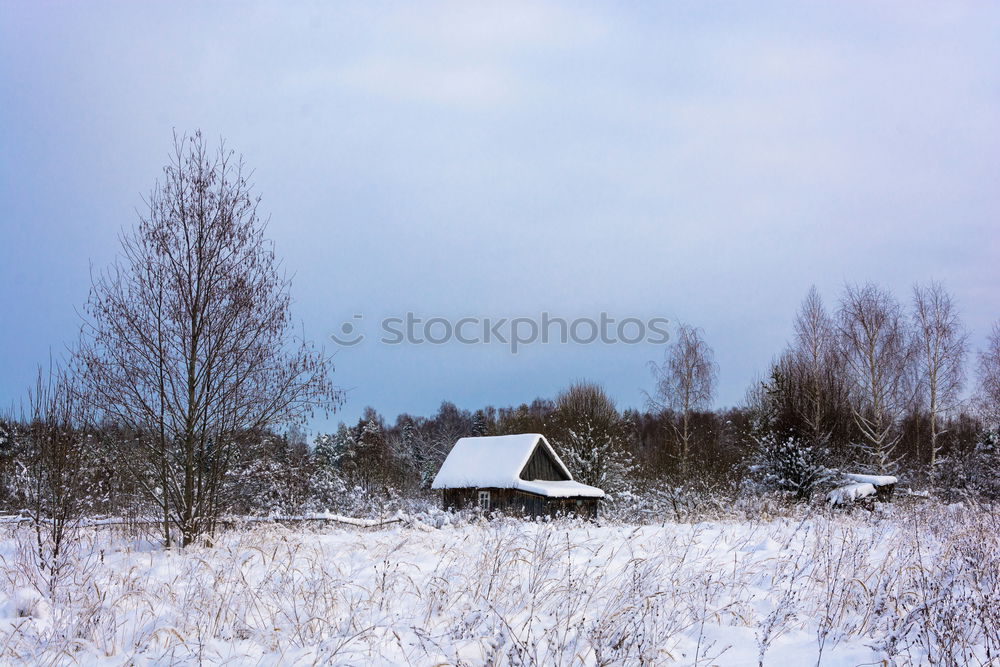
[
  {"x": 518, "y": 474},
  {"x": 864, "y": 490}
]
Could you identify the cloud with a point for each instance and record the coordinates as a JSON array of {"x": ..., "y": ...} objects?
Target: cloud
[
  {"x": 452, "y": 85},
  {"x": 464, "y": 55}
]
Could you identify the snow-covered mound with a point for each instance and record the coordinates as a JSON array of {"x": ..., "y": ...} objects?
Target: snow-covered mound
[{"x": 850, "y": 493}]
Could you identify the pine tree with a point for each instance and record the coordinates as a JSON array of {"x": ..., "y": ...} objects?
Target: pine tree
[{"x": 790, "y": 465}]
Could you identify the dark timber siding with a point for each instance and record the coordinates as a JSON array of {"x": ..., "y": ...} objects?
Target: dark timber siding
[
  {"x": 514, "y": 501},
  {"x": 541, "y": 466}
]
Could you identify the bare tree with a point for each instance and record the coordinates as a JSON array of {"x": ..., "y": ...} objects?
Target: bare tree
[
  {"x": 587, "y": 399},
  {"x": 815, "y": 353},
  {"x": 685, "y": 382},
  {"x": 57, "y": 470},
  {"x": 876, "y": 350},
  {"x": 188, "y": 337},
  {"x": 989, "y": 378},
  {"x": 941, "y": 345}
]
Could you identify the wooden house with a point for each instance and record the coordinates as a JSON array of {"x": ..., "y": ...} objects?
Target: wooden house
[{"x": 516, "y": 474}]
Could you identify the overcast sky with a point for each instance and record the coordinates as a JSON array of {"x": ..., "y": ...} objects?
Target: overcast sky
[{"x": 700, "y": 161}]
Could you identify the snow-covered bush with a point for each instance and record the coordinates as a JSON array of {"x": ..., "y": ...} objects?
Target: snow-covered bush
[
  {"x": 27, "y": 602},
  {"x": 597, "y": 457},
  {"x": 851, "y": 493},
  {"x": 692, "y": 501},
  {"x": 971, "y": 474}
]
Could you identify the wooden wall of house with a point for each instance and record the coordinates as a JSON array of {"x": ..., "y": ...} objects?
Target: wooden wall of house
[
  {"x": 513, "y": 501},
  {"x": 542, "y": 466},
  {"x": 458, "y": 499}
]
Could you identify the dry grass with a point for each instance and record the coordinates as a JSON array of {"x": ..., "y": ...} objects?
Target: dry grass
[{"x": 917, "y": 585}]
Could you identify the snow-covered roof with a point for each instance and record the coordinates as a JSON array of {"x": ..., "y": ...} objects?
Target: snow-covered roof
[
  {"x": 497, "y": 462},
  {"x": 874, "y": 480}
]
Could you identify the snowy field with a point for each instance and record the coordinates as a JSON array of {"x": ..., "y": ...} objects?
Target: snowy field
[{"x": 910, "y": 586}]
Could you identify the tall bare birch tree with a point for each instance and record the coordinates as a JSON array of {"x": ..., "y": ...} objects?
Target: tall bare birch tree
[
  {"x": 876, "y": 349},
  {"x": 685, "y": 382},
  {"x": 989, "y": 379},
  {"x": 940, "y": 349},
  {"x": 815, "y": 352},
  {"x": 188, "y": 337}
]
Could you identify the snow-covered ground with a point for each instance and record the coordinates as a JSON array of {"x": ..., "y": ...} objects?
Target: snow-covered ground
[{"x": 908, "y": 587}]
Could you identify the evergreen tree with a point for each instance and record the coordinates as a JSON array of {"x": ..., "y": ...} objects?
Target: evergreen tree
[{"x": 790, "y": 465}]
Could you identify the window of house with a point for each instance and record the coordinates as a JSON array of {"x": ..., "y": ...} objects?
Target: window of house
[{"x": 484, "y": 500}]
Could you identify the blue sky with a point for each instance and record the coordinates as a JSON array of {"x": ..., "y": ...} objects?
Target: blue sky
[{"x": 705, "y": 162}]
